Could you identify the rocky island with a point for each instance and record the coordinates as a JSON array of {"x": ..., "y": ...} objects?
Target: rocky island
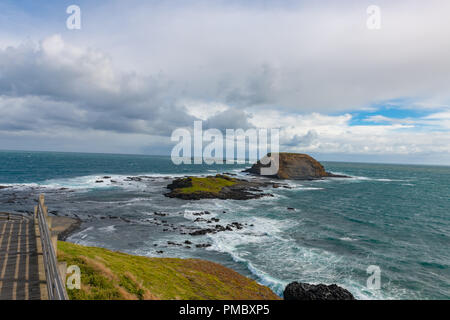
[
  {"x": 216, "y": 187},
  {"x": 294, "y": 166}
]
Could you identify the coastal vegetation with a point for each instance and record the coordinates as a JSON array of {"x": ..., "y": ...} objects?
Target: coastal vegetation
[
  {"x": 111, "y": 275},
  {"x": 219, "y": 186},
  {"x": 208, "y": 184}
]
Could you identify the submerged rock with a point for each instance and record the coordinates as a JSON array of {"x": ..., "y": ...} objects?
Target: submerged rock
[
  {"x": 305, "y": 291},
  {"x": 294, "y": 166}
]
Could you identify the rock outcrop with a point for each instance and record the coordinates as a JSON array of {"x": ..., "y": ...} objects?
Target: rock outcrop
[
  {"x": 305, "y": 291},
  {"x": 294, "y": 166},
  {"x": 215, "y": 187}
]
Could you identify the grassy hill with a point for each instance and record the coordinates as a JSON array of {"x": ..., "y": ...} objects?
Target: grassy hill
[{"x": 114, "y": 275}]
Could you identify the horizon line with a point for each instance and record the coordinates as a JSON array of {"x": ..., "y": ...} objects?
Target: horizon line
[{"x": 167, "y": 155}]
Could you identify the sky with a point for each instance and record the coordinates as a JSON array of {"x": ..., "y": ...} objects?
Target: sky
[{"x": 138, "y": 70}]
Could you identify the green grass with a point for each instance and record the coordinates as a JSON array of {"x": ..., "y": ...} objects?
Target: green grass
[
  {"x": 110, "y": 275},
  {"x": 208, "y": 184}
]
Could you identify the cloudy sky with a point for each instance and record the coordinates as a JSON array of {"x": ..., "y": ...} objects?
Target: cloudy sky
[{"x": 137, "y": 70}]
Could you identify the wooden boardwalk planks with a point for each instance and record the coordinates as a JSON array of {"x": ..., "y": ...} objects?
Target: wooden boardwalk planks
[{"x": 19, "y": 276}]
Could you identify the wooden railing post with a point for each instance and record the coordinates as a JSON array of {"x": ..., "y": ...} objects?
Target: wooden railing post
[
  {"x": 55, "y": 243},
  {"x": 42, "y": 200},
  {"x": 62, "y": 268}
]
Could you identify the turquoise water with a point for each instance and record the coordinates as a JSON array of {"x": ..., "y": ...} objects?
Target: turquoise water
[{"x": 392, "y": 216}]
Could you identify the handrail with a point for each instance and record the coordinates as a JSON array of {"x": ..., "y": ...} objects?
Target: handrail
[{"x": 55, "y": 285}]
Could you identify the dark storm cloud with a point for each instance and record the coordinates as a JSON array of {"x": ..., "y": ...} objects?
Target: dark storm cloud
[
  {"x": 228, "y": 119},
  {"x": 57, "y": 85},
  {"x": 302, "y": 141}
]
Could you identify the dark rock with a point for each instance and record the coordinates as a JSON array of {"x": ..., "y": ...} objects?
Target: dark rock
[
  {"x": 136, "y": 179},
  {"x": 237, "y": 225},
  {"x": 201, "y": 232},
  {"x": 203, "y": 245},
  {"x": 305, "y": 291},
  {"x": 201, "y": 213},
  {"x": 218, "y": 227},
  {"x": 99, "y": 181},
  {"x": 180, "y": 183}
]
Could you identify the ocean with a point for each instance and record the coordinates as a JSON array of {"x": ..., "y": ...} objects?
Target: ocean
[{"x": 396, "y": 217}]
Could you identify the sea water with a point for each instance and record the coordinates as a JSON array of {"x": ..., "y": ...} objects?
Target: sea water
[{"x": 396, "y": 217}]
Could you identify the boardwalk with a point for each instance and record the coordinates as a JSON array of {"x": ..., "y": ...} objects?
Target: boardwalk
[{"x": 19, "y": 275}]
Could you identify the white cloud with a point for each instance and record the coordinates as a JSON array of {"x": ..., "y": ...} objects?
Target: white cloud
[
  {"x": 203, "y": 110},
  {"x": 325, "y": 134}
]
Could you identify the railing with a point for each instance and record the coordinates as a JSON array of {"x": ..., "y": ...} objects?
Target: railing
[{"x": 55, "y": 285}]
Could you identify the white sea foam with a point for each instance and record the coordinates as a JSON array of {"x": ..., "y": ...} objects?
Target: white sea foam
[
  {"x": 97, "y": 182},
  {"x": 302, "y": 188},
  {"x": 347, "y": 239},
  {"x": 108, "y": 229},
  {"x": 362, "y": 178}
]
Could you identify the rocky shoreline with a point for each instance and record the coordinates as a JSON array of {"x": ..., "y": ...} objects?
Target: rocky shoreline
[{"x": 65, "y": 226}]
